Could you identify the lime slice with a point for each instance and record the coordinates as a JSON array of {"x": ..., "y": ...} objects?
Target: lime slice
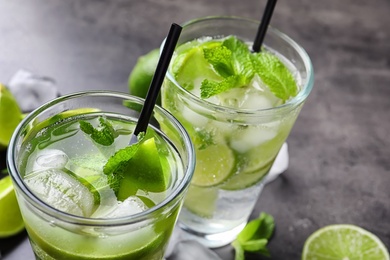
[
  {"x": 144, "y": 172},
  {"x": 11, "y": 221},
  {"x": 187, "y": 64},
  {"x": 244, "y": 179},
  {"x": 214, "y": 165},
  {"x": 201, "y": 201},
  {"x": 142, "y": 74},
  {"x": 10, "y": 116},
  {"x": 344, "y": 242},
  {"x": 34, "y": 127}
]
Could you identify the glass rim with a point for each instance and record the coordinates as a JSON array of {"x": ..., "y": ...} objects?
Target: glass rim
[
  {"x": 69, "y": 218},
  {"x": 290, "y": 104}
]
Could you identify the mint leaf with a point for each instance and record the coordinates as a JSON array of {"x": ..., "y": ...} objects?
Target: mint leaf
[
  {"x": 239, "y": 255},
  {"x": 254, "y": 245},
  {"x": 255, "y": 236},
  {"x": 241, "y": 57},
  {"x": 275, "y": 75},
  {"x": 105, "y": 134},
  {"x": 204, "y": 138},
  {"x": 116, "y": 165},
  {"x": 221, "y": 59},
  {"x": 210, "y": 88}
]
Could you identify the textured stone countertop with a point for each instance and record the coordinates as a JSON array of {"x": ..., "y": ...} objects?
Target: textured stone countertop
[{"x": 340, "y": 146}]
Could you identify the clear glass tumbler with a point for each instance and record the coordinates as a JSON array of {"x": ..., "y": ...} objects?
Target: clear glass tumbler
[
  {"x": 230, "y": 169},
  {"x": 56, "y": 234}
]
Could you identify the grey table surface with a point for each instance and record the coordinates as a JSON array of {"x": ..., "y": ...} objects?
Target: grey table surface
[{"x": 340, "y": 146}]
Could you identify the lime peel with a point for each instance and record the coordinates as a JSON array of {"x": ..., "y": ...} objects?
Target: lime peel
[{"x": 11, "y": 221}]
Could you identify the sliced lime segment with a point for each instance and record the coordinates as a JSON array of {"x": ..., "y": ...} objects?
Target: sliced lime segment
[
  {"x": 144, "y": 171},
  {"x": 344, "y": 242},
  {"x": 34, "y": 127},
  {"x": 201, "y": 201},
  {"x": 214, "y": 165},
  {"x": 190, "y": 65},
  {"x": 11, "y": 221},
  {"x": 10, "y": 115},
  {"x": 244, "y": 180}
]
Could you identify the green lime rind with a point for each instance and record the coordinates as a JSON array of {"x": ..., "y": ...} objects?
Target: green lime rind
[
  {"x": 246, "y": 179},
  {"x": 144, "y": 171},
  {"x": 10, "y": 116},
  {"x": 35, "y": 126},
  {"x": 344, "y": 241},
  {"x": 11, "y": 221}
]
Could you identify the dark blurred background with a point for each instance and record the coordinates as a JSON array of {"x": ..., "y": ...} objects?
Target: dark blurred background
[{"x": 340, "y": 146}]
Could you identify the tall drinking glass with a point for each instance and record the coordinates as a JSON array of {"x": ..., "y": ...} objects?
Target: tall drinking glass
[
  {"x": 70, "y": 206},
  {"x": 235, "y": 147}
]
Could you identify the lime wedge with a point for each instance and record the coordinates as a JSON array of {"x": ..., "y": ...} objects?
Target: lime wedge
[
  {"x": 11, "y": 221},
  {"x": 144, "y": 172},
  {"x": 344, "y": 242},
  {"x": 142, "y": 74},
  {"x": 187, "y": 64},
  {"x": 214, "y": 165},
  {"x": 10, "y": 115}
]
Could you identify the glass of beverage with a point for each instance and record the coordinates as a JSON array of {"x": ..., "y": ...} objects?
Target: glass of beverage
[
  {"x": 236, "y": 115},
  {"x": 84, "y": 193}
]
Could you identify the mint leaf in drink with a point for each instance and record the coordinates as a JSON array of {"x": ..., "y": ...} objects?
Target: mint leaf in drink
[
  {"x": 104, "y": 134},
  {"x": 116, "y": 165},
  {"x": 275, "y": 75},
  {"x": 233, "y": 61},
  {"x": 221, "y": 59},
  {"x": 255, "y": 236},
  {"x": 210, "y": 88}
]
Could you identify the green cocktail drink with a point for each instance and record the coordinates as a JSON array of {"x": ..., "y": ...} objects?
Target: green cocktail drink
[
  {"x": 238, "y": 108},
  {"x": 84, "y": 193}
]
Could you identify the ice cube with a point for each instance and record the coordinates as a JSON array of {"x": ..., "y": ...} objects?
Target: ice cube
[
  {"x": 32, "y": 90},
  {"x": 63, "y": 192},
  {"x": 196, "y": 119},
  {"x": 247, "y": 138},
  {"x": 50, "y": 158},
  {"x": 130, "y": 206}
]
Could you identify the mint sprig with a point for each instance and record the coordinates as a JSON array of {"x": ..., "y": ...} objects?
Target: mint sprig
[
  {"x": 275, "y": 75},
  {"x": 254, "y": 237},
  {"x": 105, "y": 134},
  {"x": 233, "y": 61},
  {"x": 116, "y": 165}
]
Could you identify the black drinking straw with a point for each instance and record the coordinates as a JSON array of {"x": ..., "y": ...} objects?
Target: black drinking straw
[
  {"x": 268, "y": 11},
  {"x": 158, "y": 78}
]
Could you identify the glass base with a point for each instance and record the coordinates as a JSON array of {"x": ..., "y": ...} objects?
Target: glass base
[{"x": 212, "y": 240}]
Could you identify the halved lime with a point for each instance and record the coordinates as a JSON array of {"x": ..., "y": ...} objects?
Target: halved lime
[
  {"x": 214, "y": 165},
  {"x": 10, "y": 115},
  {"x": 144, "y": 172},
  {"x": 142, "y": 74},
  {"x": 11, "y": 221},
  {"x": 344, "y": 242}
]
